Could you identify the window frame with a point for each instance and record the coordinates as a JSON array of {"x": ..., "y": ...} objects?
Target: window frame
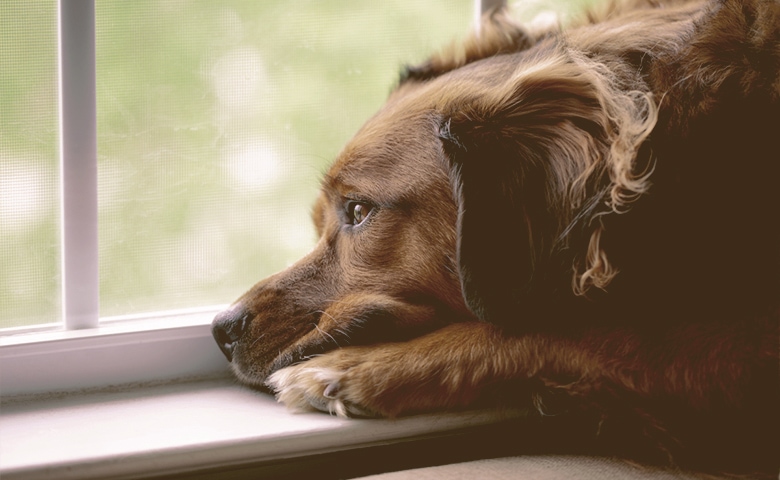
[
  {"x": 174, "y": 345},
  {"x": 78, "y": 163},
  {"x": 84, "y": 351}
]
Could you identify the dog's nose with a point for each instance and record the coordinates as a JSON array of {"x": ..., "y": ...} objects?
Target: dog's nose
[{"x": 227, "y": 328}]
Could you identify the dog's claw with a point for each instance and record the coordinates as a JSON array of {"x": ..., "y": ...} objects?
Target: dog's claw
[
  {"x": 310, "y": 386},
  {"x": 331, "y": 391},
  {"x": 319, "y": 403}
]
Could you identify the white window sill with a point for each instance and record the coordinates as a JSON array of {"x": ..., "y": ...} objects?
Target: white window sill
[
  {"x": 64, "y": 417},
  {"x": 122, "y": 350},
  {"x": 211, "y": 429}
]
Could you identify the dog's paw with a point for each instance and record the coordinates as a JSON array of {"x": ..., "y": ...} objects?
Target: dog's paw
[
  {"x": 391, "y": 379},
  {"x": 323, "y": 383}
]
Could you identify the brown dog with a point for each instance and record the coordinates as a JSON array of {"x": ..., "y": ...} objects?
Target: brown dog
[{"x": 584, "y": 221}]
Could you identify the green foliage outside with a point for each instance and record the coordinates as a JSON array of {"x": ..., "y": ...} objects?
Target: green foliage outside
[{"x": 215, "y": 122}]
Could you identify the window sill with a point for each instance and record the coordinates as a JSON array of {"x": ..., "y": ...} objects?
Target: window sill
[
  {"x": 215, "y": 429},
  {"x": 143, "y": 349},
  {"x": 146, "y": 398}
]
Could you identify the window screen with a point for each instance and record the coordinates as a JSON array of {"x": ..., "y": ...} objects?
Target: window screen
[
  {"x": 29, "y": 164},
  {"x": 215, "y": 123}
]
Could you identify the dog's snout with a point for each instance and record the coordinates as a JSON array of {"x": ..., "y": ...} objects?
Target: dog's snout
[{"x": 228, "y": 327}]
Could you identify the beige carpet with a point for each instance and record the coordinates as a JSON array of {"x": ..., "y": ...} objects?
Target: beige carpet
[{"x": 536, "y": 468}]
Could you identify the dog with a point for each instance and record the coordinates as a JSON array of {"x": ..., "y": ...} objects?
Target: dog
[{"x": 582, "y": 221}]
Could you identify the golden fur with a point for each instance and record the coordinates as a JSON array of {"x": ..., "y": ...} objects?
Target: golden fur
[{"x": 579, "y": 220}]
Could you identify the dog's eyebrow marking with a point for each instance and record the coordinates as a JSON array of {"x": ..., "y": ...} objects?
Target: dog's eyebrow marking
[
  {"x": 328, "y": 180},
  {"x": 334, "y": 185},
  {"x": 370, "y": 188}
]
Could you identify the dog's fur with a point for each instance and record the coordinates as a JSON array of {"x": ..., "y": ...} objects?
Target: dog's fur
[{"x": 580, "y": 220}]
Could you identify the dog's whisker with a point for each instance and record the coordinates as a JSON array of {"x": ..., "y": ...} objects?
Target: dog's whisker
[
  {"x": 335, "y": 319},
  {"x": 255, "y": 342},
  {"x": 326, "y": 334}
]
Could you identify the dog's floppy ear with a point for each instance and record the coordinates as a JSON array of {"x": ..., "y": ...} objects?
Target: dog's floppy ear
[{"x": 533, "y": 164}]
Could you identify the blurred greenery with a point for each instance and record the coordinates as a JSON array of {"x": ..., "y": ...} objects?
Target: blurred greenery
[
  {"x": 216, "y": 120},
  {"x": 29, "y": 166}
]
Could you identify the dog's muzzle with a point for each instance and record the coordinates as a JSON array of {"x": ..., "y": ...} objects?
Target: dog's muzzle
[{"x": 228, "y": 327}]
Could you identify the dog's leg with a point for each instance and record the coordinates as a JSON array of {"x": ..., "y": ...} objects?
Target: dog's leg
[
  {"x": 462, "y": 363},
  {"x": 448, "y": 368},
  {"x": 627, "y": 390}
]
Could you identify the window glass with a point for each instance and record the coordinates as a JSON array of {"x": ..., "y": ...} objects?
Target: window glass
[
  {"x": 215, "y": 123},
  {"x": 29, "y": 164}
]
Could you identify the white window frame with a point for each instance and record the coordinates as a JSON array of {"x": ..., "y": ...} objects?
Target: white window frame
[{"x": 85, "y": 352}]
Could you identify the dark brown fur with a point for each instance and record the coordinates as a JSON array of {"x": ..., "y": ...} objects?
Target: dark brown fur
[{"x": 581, "y": 221}]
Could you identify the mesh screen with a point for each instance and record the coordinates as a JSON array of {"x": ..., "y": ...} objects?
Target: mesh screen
[
  {"x": 29, "y": 164},
  {"x": 215, "y": 122}
]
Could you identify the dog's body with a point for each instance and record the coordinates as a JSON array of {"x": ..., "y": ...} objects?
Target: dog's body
[{"x": 584, "y": 221}]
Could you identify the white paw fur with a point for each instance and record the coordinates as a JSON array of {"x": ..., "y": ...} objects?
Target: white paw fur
[{"x": 304, "y": 388}]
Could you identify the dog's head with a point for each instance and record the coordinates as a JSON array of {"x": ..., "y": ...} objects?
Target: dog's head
[
  {"x": 384, "y": 267},
  {"x": 480, "y": 173}
]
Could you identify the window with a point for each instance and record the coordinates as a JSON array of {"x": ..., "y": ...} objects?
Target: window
[
  {"x": 200, "y": 136},
  {"x": 214, "y": 123}
]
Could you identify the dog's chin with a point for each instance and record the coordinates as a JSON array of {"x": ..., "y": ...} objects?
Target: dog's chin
[
  {"x": 251, "y": 377},
  {"x": 255, "y": 368},
  {"x": 255, "y": 376}
]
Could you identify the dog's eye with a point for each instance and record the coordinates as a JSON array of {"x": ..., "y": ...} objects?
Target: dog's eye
[{"x": 357, "y": 212}]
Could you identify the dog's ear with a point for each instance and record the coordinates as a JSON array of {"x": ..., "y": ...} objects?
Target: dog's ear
[{"x": 533, "y": 165}]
